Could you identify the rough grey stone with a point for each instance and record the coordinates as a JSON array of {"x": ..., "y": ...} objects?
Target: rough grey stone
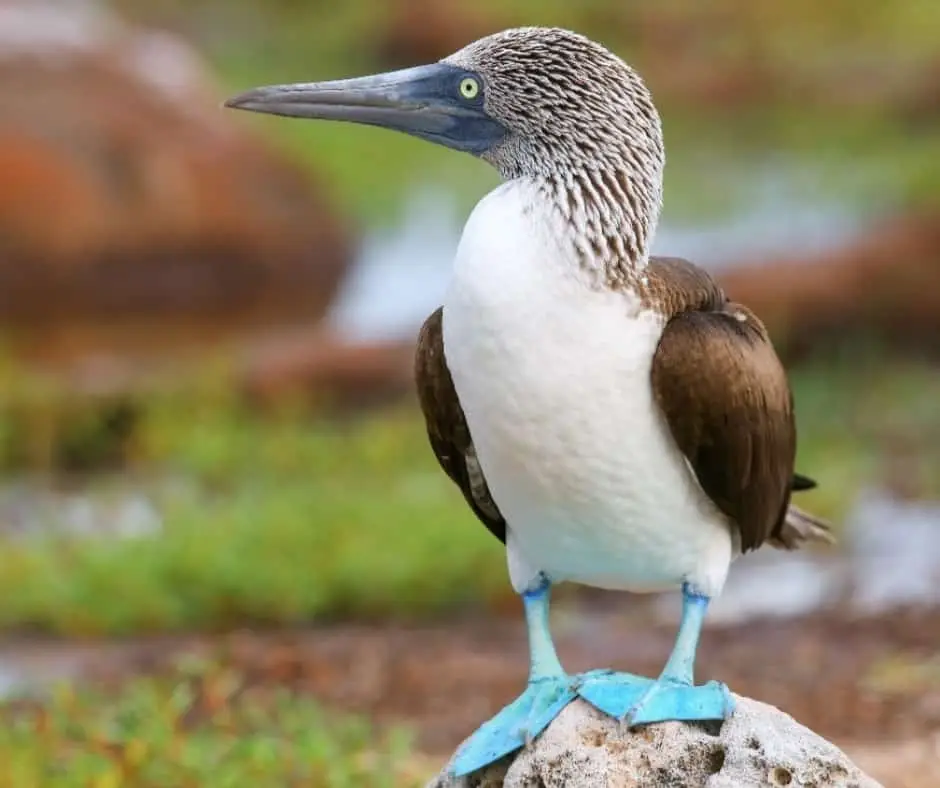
[{"x": 759, "y": 746}]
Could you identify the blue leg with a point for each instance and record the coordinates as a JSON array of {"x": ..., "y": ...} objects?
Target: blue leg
[
  {"x": 549, "y": 690},
  {"x": 674, "y": 696}
]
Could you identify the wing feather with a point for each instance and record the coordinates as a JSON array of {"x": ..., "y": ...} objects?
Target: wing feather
[
  {"x": 447, "y": 428},
  {"x": 725, "y": 396}
]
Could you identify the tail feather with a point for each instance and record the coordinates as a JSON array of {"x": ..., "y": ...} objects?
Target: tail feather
[
  {"x": 800, "y": 527},
  {"x": 801, "y": 482}
]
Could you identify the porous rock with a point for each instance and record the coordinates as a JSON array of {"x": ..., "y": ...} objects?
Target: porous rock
[{"x": 758, "y": 746}]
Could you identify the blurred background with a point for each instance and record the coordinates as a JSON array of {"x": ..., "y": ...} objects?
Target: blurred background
[{"x": 228, "y": 556}]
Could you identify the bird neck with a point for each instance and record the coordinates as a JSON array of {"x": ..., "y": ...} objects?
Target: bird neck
[{"x": 611, "y": 213}]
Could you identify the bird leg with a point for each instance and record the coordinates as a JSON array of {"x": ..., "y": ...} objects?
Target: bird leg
[
  {"x": 548, "y": 691},
  {"x": 636, "y": 700},
  {"x": 543, "y": 659},
  {"x": 674, "y": 695}
]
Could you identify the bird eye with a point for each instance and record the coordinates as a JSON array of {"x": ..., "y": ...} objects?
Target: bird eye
[{"x": 469, "y": 88}]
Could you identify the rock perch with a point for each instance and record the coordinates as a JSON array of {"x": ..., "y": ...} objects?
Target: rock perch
[{"x": 758, "y": 746}]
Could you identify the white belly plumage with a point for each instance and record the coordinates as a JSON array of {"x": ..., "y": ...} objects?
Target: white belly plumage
[{"x": 553, "y": 377}]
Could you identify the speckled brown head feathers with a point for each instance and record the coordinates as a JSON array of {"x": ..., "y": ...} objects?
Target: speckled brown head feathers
[
  {"x": 567, "y": 101},
  {"x": 581, "y": 123}
]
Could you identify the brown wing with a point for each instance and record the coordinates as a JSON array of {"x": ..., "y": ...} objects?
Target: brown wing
[
  {"x": 447, "y": 427},
  {"x": 725, "y": 396}
]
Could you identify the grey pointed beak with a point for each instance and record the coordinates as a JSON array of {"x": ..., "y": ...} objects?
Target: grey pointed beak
[{"x": 424, "y": 101}]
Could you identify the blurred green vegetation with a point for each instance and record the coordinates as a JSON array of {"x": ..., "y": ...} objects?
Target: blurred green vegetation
[
  {"x": 288, "y": 517},
  {"x": 201, "y": 726},
  {"x": 277, "y": 519}
]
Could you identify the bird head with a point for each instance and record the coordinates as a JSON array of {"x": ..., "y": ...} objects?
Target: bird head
[{"x": 530, "y": 101}]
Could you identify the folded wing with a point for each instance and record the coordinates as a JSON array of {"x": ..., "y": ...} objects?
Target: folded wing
[
  {"x": 725, "y": 397},
  {"x": 447, "y": 427}
]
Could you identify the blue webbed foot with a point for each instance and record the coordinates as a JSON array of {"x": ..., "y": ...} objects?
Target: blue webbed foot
[
  {"x": 516, "y": 725},
  {"x": 611, "y": 692},
  {"x": 669, "y": 699},
  {"x": 549, "y": 690},
  {"x": 673, "y": 696}
]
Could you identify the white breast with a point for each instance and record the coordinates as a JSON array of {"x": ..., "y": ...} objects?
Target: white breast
[{"x": 553, "y": 376}]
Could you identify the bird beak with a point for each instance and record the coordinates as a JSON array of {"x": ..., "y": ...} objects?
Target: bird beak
[{"x": 424, "y": 101}]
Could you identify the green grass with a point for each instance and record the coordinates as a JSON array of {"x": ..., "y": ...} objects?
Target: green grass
[
  {"x": 202, "y": 727},
  {"x": 290, "y": 518},
  {"x": 863, "y": 420},
  {"x": 278, "y": 520}
]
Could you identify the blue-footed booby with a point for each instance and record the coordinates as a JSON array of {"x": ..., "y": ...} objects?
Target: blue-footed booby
[{"x": 611, "y": 416}]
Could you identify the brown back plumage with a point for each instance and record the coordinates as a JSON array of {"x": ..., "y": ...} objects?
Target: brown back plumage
[{"x": 724, "y": 394}]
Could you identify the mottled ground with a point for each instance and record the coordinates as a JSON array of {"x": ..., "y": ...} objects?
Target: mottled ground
[{"x": 871, "y": 684}]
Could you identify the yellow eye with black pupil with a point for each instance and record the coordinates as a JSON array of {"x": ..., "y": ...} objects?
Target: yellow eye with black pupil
[{"x": 469, "y": 88}]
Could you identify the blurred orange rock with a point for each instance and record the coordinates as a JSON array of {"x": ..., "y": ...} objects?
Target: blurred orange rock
[
  {"x": 883, "y": 287},
  {"x": 130, "y": 198}
]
